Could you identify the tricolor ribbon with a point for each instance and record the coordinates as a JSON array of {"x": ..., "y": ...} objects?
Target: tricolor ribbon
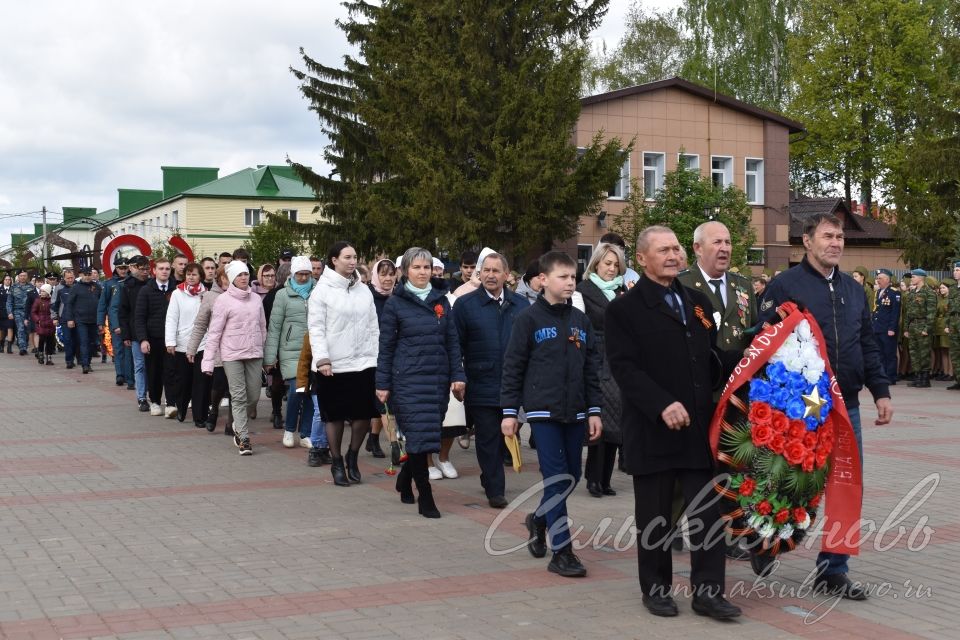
[{"x": 844, "y": 488}]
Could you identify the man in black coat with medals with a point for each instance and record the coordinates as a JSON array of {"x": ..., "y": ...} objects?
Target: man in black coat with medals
[{"x": 661, "y": 341}]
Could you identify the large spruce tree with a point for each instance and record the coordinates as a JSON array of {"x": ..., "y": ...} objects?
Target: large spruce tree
[{"x": 453, "y": 125}]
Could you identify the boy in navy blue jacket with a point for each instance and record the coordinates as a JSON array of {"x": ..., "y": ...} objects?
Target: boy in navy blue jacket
[{"x": 551, "y": 368}]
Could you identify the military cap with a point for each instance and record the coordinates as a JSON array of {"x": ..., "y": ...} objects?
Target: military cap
[
  {"x": 950, "y": 282},
  {"x": 86, "y": 269},
  {"x": 862, "y": 271},
  {"x": 119, "y": 261},
  {"x": 931, "y": 282},
  {"x": 50, "y": 274},
  {"x": 919, "y": 273},
  {"x": 140, "y": 261},
  {"x": 956, "y": 265}
]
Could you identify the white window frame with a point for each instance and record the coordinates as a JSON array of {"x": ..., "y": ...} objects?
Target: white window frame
[
  {"x": 290, "y": 213},
  {"x": 658, "y": 172},
  {"x": 166, "y": 220},
  {"x": 251, "y": 217},
  {"x": 758, "y": 178},
  {"x": 621, "y": 188},
  {"x": 175, "y": 219},
  {"x": 727, "y": 172},
  {"x": 143, "y": 229},
  {"x": 692, "y": 166}
]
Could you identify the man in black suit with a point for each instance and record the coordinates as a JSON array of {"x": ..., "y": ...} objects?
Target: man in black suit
[{"x": 661, "y": 341}]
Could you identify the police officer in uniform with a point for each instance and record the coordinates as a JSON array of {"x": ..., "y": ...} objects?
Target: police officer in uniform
[
  {"x": 953, "y": 326},
  {"x": 886, "y": 320},
  {"x": 920, "y": 312}
]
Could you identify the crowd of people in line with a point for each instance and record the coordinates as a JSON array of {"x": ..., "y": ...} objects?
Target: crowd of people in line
[{"x": 610, "y": 359}]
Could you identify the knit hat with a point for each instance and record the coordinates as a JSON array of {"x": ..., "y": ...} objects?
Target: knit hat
[
  {"x": 300, "y": 263},
  {"x": 45, "y": 288},
  {"x": 234, "y": 269},
  {"x": 483, "y": 254},
  {"x": 437, "y": 262}
]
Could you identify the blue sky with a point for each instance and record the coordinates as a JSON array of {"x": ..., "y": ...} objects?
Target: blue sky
[{"x": 97, "y": 95}]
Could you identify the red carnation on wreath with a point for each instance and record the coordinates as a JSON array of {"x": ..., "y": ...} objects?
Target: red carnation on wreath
[
  {"x": 782, "y": 516},
  {"x": 747, "y": 486},
  {"x": 438, "y": 310}
]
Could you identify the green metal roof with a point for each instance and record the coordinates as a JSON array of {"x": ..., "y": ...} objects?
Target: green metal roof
[
  {"x": 176, "y": 180},
  {"x": 267, "y": 182}
]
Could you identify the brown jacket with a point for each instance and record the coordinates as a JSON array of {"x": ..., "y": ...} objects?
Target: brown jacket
[{"x": 303, "y": 366}]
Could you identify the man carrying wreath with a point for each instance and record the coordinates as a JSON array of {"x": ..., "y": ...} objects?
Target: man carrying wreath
[
  {"x": 837, "y": 303},
  {"x": 661, "y": 346}
]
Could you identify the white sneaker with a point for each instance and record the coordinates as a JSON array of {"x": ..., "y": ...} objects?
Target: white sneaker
[
  {"x": 288, "y": 440},
  {"x": 448, "y": 470},
  {"x": 306, "y": 443},
  {"x": 170, "y": 412},
  {"x": 155, "y": 409},
  {"x": 435, "y": 474}
]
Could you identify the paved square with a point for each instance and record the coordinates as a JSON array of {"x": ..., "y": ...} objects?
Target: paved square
[{"x": 115, "y": 524}]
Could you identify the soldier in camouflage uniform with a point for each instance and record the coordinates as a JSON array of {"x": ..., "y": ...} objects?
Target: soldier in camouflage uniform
[
  {"x": 953, "y": 326},
  {"x": 920, "y": 312},
  {"x": 18, "y": 308}
]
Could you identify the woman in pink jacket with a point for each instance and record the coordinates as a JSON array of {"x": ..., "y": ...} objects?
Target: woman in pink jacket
[{"x": 238, "y": 329}]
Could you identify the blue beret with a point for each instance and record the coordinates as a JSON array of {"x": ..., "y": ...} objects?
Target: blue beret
[
  {"x": 919, "y": 272},
  {"x": 956, "y": 265},
  {"x": 885, "y": 272}
]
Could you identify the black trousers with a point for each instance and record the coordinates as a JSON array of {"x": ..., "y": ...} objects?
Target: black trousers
[
  {"x": 182, "y": 382},
  {"x": 489, "y": 440},
  {"x": 600, "y": 460},
  {"x": 160, "y": 372},
  {"x": 200, "y": 390},
  {"x": 653, "y": 504}
]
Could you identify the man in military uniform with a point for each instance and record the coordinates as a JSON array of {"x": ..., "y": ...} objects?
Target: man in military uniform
[
  {"x": 886, "y": 320},
  {"x": 860, "y": 275},
  {"x": 731, "y": 294},
  {"x": 108, "y": 315},
  {"x": 18, "y": 308},
  {"x": 953, "y": 326},
  {"x": 919, "y": 315}
]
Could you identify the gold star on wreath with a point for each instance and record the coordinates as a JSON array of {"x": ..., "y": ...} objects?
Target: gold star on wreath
[{"x": 814, "y": 403}]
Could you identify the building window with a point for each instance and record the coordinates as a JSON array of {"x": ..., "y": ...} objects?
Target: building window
[
  {"x": 652, "y": 174},
  {"x": 251, "y": 217},
  {"x": 290, "y": 213},
  {"x": 754, "y": 180},
  {"x": 158, "y": 222},
  {"x": 166, "y": 220},
  {"x": 143, "y": 229},
  {"x": 689, "y": 160},
  {"x": 722, "y": 171},
  {"x": 621, "y": 188},
  {"x": 756, "y": 256},
  {"x": 175, "y": 219}
]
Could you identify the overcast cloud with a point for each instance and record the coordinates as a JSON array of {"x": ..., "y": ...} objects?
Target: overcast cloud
[{"x": 97, "y": 95}]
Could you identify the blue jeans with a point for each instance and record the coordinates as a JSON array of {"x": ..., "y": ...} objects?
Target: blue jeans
[
  {"x": 559, "y": 451},
  {"x": 69, "y": 343},
  {"x": 318, "y": 430},
  {"x": 299, "y": 409},
  {"x": 836, "y": 563},
  {"x": 139, "y": 370},
  {"x": 87, "y": 336}
]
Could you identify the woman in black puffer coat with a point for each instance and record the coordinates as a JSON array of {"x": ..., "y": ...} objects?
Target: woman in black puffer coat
[{"x": 418, "y": 366}]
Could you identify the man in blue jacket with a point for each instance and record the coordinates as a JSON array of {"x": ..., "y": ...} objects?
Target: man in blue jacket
[
  {"x": 108, "y": 309},
  {"x": 840, "y": 308},
  {"x": 484, "y": 319},
  {"x": 886, "y": 320},
  {"x": 80, "y": 312}
]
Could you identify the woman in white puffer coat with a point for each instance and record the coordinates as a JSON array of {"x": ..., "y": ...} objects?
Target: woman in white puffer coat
[{"x": 344, "y": 338}]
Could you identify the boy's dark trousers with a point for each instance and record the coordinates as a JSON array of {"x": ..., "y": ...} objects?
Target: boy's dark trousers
[
  {"x": 87, "y": 338},
  {"x": 488, "y": 439},
  {"x": 559, "y": 451},
  {"x": 159, "y": 369}
]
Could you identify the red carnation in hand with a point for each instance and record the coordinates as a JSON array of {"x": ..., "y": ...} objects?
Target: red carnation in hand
[
  {"x": 814, "y": 502},
  {"x": 760, "y": 413},
  {"x": 747, "y": 486},
  {"x": 810, "y": 439},
  {"x": 780, "y": 422},
  {"x": 799, "y": 514},
  {"x": 796, "y": 430},
  {"x": 438, "y": 309},
  {"x": 794, "y": 451},
  {"x": 782, "y": 516},
  {"x": 808, "y": 459},
  {"x": 764, "y": 508},
  {"x": 761, "y": 434},
  {"x": 777, "y": 443}
]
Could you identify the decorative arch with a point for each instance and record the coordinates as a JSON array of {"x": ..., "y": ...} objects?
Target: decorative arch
[
  {"x": 98, "y": 239},
  {"x": 114, "y": 245}
]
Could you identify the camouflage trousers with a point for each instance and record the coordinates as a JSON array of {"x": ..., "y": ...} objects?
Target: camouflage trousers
[
  {"x": 23, "y": 332},
  {"x": 919, "y": 348},
  {"x": 954, "y": 324}
]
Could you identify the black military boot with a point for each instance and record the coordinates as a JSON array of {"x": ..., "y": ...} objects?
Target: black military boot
[{"x": 924, "y": 380}]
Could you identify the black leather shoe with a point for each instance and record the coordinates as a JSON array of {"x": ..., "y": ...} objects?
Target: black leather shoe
[
  {"x": 955, "y": 386},
  {"x": 537, "y": 532},
  {"x": 353, "y": 471},
  {"x": 277, "y": 421},
  {"x": 87, "y": 369},
  {"x": 373, "y": 443},
  {"x": 594, "y": 489},
  {"x": 199, "y": 424},
  {"x": 498, "y": 502},
  {"x": 608, "y": 491},
  {"x": 839, "y": 585},
  {"x": 566, "y": 563},
  {"x": 662, "y": 606},
  {"x": 338, "y": 473},
  {"x": 734, "y": 552},
  {"x": 313, "y": 458},
  {"x": 759, "y": 563},
  {"x": 325, "y": 456},
  {"x": 121, "y": 381},
  {"x": 69, "y": 364},
  {"x": 715, "y": 607}
]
